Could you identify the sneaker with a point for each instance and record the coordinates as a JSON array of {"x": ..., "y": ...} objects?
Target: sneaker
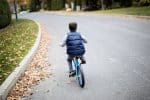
[
  {"x": 72, "y": 73},
  {"x": 83, "y": 61}
]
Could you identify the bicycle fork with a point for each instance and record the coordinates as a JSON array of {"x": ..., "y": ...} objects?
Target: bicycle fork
[{"x": 77, "y": 67}]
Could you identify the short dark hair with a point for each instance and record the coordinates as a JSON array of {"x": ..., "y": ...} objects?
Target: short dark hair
[{"x": 72, "y": 26}]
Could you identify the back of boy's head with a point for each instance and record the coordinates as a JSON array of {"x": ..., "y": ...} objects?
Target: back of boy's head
[{"x": 72, "y": 26}]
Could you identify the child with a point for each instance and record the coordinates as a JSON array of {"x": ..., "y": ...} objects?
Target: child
[{"x": 75, "y": 47}]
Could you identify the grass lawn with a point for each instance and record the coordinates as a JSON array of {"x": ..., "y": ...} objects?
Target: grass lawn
[
  {"x": 144, "y": 11},
  {"x": 15, "y": 42}
]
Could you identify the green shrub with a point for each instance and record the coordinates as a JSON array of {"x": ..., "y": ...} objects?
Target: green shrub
[
  {"x": 53, "y": 4},
  {"x": 5, "y": 14},
  {"x": 35, "y": 5},
  {"x": 57, "y": 4},
  {"x": 47, "y": 5},
  {"x": 125, "y": 3}
]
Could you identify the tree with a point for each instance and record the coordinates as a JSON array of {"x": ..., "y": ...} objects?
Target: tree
[
  {"x": 108, "y": 3},
  {"x": 125, "y": 3},
  {"x": 24, "y": 4},
  {"x": 5, "y": 14},
  {"x": 57, "y": 4},
  {"x": 46, "y": 4},
  {"x": 144, "y": 2},
  {"x": 92, "y": 4}
]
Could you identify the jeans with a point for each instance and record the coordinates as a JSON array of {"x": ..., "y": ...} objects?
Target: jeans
[{"x": 69, "y": 59}]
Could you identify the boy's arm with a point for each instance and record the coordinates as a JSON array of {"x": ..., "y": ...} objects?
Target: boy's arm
[
  {"x": 64, "y": 41},
  {"x": 84, "y": 39}
]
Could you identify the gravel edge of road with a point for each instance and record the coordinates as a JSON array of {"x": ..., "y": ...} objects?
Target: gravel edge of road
[
  {"x": 14, "y": 76},
  {"x": 36, "y": 72}
]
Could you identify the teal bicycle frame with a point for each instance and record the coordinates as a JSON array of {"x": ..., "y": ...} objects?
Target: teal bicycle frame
[{"x": 79, "y": 72}]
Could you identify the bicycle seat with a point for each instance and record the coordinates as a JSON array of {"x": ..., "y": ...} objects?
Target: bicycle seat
[
  {"x": 78, "y": 57},
  {"x": 82, "y": 60}
]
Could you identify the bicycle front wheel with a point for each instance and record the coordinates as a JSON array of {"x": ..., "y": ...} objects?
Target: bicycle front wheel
[{"x": 81, "y": 79}]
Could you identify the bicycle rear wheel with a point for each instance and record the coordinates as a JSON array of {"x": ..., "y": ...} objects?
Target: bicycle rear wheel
[{"x": 81, "y": 79}]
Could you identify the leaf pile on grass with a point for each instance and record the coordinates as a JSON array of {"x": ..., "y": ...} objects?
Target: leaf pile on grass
[
  {"x": 36, "y": 71},
  {"x": 144, "y": 11},
  {"x": 15, "y": 42}
]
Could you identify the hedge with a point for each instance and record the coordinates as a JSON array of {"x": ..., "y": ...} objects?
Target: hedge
[{"x": 5, "y": 14}]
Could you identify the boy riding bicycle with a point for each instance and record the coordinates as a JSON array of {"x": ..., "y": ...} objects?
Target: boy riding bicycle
[{"x": 75, "y": 47}]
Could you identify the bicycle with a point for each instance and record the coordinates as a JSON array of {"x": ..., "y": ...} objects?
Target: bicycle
[{"x": 78, "y": 71}]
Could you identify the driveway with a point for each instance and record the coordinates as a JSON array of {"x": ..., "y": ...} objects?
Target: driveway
[{"x": 118, "y": 58}]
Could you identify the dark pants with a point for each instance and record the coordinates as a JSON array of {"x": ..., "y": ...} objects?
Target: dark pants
[{"x": 69, "y": 59}]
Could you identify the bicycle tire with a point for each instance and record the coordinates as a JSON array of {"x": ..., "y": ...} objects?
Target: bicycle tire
[{"x": 81, "y": 79}]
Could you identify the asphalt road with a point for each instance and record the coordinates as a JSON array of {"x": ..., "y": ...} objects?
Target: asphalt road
[{"x": 118, "y": 58}]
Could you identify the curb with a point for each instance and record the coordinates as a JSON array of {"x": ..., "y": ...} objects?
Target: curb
[{"x": 20, "y": 69}]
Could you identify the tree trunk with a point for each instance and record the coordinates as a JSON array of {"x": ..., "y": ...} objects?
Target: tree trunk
[
  {"x": 15, "y": 8},
  {"x": 83, "y": 4},
  {"x": 102, "y": 4}
]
